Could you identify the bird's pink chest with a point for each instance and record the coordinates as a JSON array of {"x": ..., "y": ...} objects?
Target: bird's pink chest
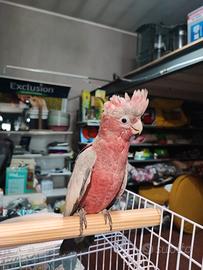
[{"x": 106, "y": 179}]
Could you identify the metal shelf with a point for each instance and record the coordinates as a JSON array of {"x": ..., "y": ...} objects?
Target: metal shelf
[
  {"x": 185, "y": 128},
  {"x": 48, "y": 173},
  {"x": 166, "y": 145},
  {"x": 68, "y": 155},
  {"x": 37, "y": 132},
  {"x": 57, "y": 192},
  {"x": 149, "y": 160},
  {"x": 133, "y": 161},
  {"x": 158, "y": 145},
  {"x": 59, "y": 174},
  {"x": 33, "y": 197},
  {"x": 94, "y": 123},
  {"x": 176, "y": 74}
]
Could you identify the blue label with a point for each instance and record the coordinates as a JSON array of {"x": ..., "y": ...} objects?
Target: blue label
[{"x": 196, "y": 31}]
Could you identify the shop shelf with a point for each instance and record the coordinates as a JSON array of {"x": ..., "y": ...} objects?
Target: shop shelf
[{"x": 37, "y": 132}]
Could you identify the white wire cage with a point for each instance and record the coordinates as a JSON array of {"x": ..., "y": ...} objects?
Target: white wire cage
[{"x": 166, "y": 246}]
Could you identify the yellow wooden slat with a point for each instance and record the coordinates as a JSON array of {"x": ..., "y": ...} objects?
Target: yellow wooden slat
[{"x": 48, "y": 228}]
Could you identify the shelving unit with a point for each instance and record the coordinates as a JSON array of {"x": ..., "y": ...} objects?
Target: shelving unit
[
  {"x": 159, "y": 160},
  {"x": 134, "y": 161},
  {"x": 173, "y": 75},
  {"x": 58, "y": 160},
  {"x": 68, "y": 173},
  {"x": 94, "y": 123},
  {"x": 33, "y": 144},
  {"x": 179, "y": 75},
  {"x": 176, "y": 74},
  {"x": 181, "y": 129},
  {"x": 166, "y": 145},
  {"x": 172, "y": 146},
  {"x": 36, "y": 132},
  {"x": 174, "y": 151},
  {"x": 68, "y": 155},
  {"x": 57, "y": 192},
  {"x": 143, "y": 145}
]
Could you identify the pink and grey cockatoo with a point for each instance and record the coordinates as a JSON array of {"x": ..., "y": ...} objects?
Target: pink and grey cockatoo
[{"x": 100, "y": 171}]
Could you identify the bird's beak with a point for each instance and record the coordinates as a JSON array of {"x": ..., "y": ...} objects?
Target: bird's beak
[{"x": 137, "y": 127}]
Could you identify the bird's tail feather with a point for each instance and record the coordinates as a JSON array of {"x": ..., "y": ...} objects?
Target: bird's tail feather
[{"x": 80, "y": 244}]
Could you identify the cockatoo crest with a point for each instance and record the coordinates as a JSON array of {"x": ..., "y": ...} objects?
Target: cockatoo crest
[{"x": 135, "y": 106}]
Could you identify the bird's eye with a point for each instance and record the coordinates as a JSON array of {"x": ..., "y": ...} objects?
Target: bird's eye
[{"x": 124, "y": 120}]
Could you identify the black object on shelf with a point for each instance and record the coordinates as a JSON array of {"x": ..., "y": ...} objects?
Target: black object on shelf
[
  {"x": 153, "y": 42},
  {"x": 6, "y": 152},
  {"x": 160, "y": 74},
  {"x": 178, "y": 36},
  {"x": 25, "y": 142}
]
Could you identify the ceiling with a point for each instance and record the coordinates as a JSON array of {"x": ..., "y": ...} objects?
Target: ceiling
[{"x": 123, "y": 14}]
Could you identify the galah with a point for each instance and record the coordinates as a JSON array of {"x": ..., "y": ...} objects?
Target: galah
[{"x": 100, "y": 171}]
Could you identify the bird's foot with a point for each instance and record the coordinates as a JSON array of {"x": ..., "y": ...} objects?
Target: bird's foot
[
  {"x": 107, "y": 216},
  {"x": 83, "y": 220}
]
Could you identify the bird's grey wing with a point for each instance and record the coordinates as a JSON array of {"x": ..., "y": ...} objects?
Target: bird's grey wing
[
  {"x": 125, "y": 180},
  {"x": 79, "y": 180}
]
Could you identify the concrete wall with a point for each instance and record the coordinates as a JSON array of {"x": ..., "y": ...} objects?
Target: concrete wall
[{"x": 37, "y": 39}]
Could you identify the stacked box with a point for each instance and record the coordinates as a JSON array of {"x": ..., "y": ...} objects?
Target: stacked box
[{"x": 195, "y": 24}]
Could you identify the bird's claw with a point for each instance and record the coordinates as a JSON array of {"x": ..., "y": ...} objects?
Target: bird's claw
[
  {"x": 83, "y": 220},
  {"x": 107, "y": 216}
]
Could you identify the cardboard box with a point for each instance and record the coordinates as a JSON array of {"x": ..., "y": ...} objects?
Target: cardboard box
[
  {"x": 195, "y": 25},
  {"x": 30, "y": 165},
  {"x": 16, "y": 180},
  {"x": 85, "y": 104}
]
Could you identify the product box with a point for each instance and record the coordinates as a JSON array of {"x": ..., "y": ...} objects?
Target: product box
[
  {"x": 85, "y": 104},
  {"x": 30, "y": 165},
  {"x": 88, "y": 134},
  {"x": 195, "y": 24},
  {"x": 16, "y": 180}
]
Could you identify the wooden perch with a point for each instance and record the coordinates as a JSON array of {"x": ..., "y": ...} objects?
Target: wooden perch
[{"x": 49, "y": 228}]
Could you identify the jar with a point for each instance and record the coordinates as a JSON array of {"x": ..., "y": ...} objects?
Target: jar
[
  {"x": 34, "y": 118},
  {"x": 58, "y": 120}
]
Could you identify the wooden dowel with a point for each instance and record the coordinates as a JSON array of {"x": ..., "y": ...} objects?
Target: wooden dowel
[{"x": 50, "y": 228}]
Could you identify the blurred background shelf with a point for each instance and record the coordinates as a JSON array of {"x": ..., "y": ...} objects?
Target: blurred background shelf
[
  {"x": 68, "y": 155},
  {"x": 36, "y": 196},
  {"x": 94, "y": 123},
  {"x": 134, "y": 161},
  {"x": 182, "y": 129},
  {"x": 173, "y": 73},
  {"x": 167, "y": 145},
  {"x": 63, "y": 172},
  {"x": 37, "y": 132},
  {"x": 57, "y": 192}
]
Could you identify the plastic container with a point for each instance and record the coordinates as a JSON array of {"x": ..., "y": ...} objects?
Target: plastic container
[
  {"x": 178, "y": 36},
  {"x": 34, "y": 118},
  {"x": 58, "y": 120},
  {"x": 46, "y": 185}
]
